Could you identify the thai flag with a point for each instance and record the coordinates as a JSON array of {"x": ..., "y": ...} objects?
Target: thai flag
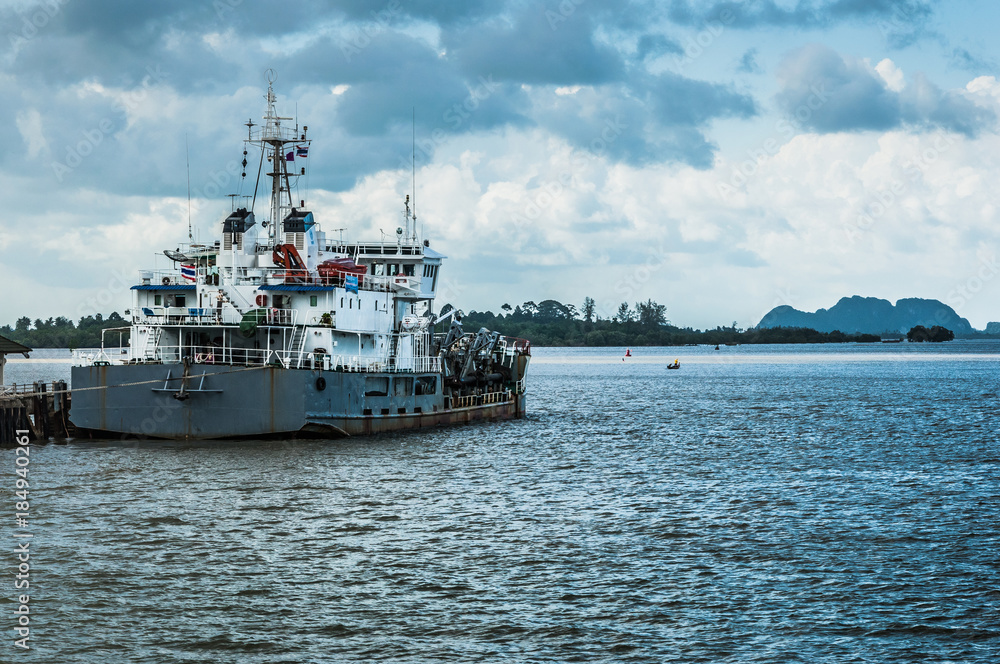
[
  {"x": 302, "y": 151},
  {"x": 189, "y": 272}
]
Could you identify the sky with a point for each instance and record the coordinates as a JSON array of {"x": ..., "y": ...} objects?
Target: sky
[{"x": 718, "y": 157}]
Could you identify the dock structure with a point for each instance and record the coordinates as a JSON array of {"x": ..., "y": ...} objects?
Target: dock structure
[
  {"x": 9, "y": 347},
  {"x": 41, "y": 409}
]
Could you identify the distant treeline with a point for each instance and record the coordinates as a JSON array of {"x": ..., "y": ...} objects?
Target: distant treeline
[
  {"x": 548, "y": 323},
  {"x": 61, "y": 332},
  {"x": 551, "y": 323}
]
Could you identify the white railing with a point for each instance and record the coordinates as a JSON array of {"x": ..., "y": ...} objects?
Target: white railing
[
  {"x": 278, "y": 276},
  {"x": 208, "y": 316},
  {"x": 230, "y": 356},
  {"x": 165, "y": 278}
]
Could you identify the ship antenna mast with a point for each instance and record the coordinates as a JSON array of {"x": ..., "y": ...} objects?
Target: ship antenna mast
[
  {"x": 413, "y": 167},
  {"x": 187, "y": 155}
]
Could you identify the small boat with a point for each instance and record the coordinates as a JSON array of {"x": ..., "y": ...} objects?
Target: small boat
[{"x": 675, "y": 365}]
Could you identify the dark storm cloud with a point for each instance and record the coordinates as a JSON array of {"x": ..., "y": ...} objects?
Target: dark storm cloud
[
  {"x": 901, "y": 14},
  {"x": 496, "y": 66},
  {"x": 830, "y": 93},
  {"x": 653, "y": 119},
  {"x": 536, "y": 48},
  {"x": 443, "y": 13},
  {"x": 654, "y": 45}
]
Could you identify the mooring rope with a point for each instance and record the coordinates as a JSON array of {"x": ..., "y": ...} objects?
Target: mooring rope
[{"x": 19, "y": 395}]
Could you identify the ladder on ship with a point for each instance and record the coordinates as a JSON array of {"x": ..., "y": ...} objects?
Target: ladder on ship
[
  {"x": 152, "y": 341},
  {"x": 298, "y": 344}
]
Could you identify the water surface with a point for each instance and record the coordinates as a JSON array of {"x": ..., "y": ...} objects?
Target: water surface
[{"x": 761, "y": 504}]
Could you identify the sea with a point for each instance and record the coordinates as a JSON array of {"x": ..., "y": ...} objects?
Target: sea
[{"x": 816, "y": 503}]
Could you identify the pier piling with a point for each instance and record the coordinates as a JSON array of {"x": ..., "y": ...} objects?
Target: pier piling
[{"x": 41, "y": 409}]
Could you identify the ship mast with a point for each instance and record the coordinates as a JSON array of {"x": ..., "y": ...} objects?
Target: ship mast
[{"x": 274, "y": 138}]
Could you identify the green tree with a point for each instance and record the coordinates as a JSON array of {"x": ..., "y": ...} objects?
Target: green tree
[
  {"x": 624, "y": 314},
  {"x": 588, "y": 309},
  {"x": 651, "y": 314}
]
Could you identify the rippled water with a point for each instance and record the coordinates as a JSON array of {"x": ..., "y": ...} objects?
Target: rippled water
[{"x": 768, "y": 504}]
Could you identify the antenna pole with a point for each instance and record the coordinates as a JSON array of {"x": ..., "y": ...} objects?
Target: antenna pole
[
  {"x": 413, "y": 162},
  {"x": 187, "y": 155}
]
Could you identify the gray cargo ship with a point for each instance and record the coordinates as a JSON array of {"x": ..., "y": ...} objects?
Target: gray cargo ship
[{"x": 277, "y": 329}]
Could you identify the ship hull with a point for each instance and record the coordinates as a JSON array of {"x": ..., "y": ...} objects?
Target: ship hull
[{"x": 214, "y": 401}]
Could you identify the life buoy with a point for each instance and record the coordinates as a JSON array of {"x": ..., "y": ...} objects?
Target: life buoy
[
  {"x": 165, "y": 281},
  {"x": 261, "y": 300}
]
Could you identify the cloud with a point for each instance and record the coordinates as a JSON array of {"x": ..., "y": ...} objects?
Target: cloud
[
  {"x": 653, "y": 119},
  {"x": 828, "y": 92},
  {"x": 803, "y": 13},
  {"x": 653, "y": 45},
  {"x": 748, "y": 63},
  {"x": 29, "y": 123},
  {"x": 962, "y": 58},
  {"x": 530, "y": 48}
]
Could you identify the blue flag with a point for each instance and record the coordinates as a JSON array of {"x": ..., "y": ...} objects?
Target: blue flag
[{"x": 351, "y": 283}]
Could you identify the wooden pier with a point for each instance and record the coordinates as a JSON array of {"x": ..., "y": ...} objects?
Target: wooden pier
[{"x": 41, "y": 409}]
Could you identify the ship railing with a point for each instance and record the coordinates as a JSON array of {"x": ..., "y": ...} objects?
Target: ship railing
[
  {"x": 164, "y": 278},
  {"x": 489, "y": 398},
  {"x": 158, "y": 315},
  {"x": 515, "y": 346},
  {"x": 416, "y": 364},
  {"x": 14, "y": 390},
  {"x": 280, "y": 317},
  {"x": 235, "y": 356},
  {"x": 208, "y": 316},
  {"x": 354, "y": 249},
  {"x": 283, "y": 276}
]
